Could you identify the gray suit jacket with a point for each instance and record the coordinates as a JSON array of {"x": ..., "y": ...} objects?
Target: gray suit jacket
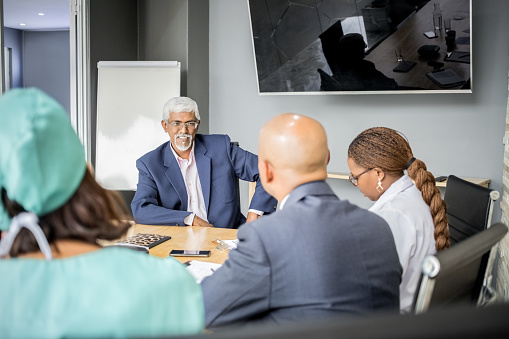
[{"x": 318, "y": 256}]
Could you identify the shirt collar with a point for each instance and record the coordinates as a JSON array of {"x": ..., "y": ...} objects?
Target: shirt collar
[
  {"x": 398, "y": 186},
  {"x": 283, "y": 202},
  {"x": 180, "y": 160}
]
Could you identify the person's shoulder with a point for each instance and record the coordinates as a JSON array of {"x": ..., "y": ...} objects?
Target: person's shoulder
[
  {"x": 366, "y": 63},
  {"x": 361, "y": 214},
  {"x": 216, "y": 144},
  {"x": 407, "y": 200},
  {"x": 413, "y": 192},
  {"x": 212, "y": 138},
  {"x": 267, "y": 225}
]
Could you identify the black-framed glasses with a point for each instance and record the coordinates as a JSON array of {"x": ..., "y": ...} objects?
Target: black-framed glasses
[
  {"x": 189, "y": 125},
  {"x": 353, "y": 179}
]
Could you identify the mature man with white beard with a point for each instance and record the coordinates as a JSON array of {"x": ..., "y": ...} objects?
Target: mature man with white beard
[{"x": 193, "y": 178}]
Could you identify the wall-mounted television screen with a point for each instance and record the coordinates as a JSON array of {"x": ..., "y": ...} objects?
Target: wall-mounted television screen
[{"x": 362, "y": 46}]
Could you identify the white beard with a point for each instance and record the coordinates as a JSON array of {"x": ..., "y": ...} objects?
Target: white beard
[{"x": 184, "y": 144}]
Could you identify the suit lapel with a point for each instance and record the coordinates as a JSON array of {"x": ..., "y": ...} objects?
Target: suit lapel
[
  {"x": 203, "y": 165},
  {"x": 175, "y": 180}
]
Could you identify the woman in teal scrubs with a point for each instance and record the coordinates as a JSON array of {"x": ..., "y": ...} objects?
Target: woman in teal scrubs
[{"x": 56, "y": 280}]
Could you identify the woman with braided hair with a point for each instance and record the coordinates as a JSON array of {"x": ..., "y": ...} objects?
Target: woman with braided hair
[{"x": 378, "y": 158}]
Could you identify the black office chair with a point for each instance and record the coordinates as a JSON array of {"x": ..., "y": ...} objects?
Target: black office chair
[
  {"x": 127, "y": 196},
  {"x": 327, "y": 82},
  {"x": 330, "y": 44},
  {"x": 469, "y": 208},
  {"x": 458, "y": 275}
]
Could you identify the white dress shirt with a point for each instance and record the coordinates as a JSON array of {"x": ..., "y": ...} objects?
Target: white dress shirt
[
  {"x": 409, "y": 218},
  {"x": 283, "y": 202},
  {"x": 195, "y": 201}
]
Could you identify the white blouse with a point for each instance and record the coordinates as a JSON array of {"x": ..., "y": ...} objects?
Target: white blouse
[{"x": 409, "y": 218}]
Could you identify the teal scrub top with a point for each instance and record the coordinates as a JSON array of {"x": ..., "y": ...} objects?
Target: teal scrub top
[{"x": 112, "y": 292}]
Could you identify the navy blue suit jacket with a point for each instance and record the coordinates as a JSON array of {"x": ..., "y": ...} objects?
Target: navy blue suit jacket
[
  {"x": 161, "y": 196},
  {"x": 319, "y": 256}
]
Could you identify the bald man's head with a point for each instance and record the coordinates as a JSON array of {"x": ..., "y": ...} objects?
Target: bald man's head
[{"x": 296, "y": 145}]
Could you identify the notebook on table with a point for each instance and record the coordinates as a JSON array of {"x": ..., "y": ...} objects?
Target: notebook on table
[
  {"x": 463, "y": 57},
  {"x": 446, "y": 78}
]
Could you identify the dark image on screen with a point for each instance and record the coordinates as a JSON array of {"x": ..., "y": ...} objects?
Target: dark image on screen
[{"x": 335, "y": 46}]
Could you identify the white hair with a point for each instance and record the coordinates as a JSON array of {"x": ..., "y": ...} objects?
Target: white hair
[{"x": 180, "y": 104}]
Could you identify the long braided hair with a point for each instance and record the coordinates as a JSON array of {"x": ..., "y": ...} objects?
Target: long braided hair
[{"x": 389, "y": 150}]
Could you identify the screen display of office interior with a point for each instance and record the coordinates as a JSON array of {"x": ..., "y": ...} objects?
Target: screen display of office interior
[{"x": 292, "y": 40}]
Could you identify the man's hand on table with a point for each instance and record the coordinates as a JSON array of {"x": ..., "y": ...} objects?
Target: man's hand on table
[
  {"x": 251, "y": 216},
  {"x": 197, "y": 221}
]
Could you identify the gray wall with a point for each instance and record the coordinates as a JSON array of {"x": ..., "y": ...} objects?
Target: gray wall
[
  {"x": 112, "y": 38},
  {"x": 41, "y": 59},
  {"x": 13, "y": 38},
  {"x": 198, "y": 56},
  {"x": 46, "y": 64},
  {"x": 178, "y": 30},
  {"x": 163, "y": 33},
  {"x": 457, "y": 134}
]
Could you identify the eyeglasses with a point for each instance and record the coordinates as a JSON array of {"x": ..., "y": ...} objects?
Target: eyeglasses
[
  {"x": 189, "y": 125},
  {"x": 353, "y": 179}
]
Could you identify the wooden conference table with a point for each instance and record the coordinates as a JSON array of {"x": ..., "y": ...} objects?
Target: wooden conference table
[
  {"x": 409, "y": 37},
  {"x": 188, "y": 238}
]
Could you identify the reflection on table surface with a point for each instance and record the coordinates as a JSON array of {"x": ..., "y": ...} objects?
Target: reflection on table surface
[
  {"x": 188, "y": 238},
  {"x": 409, "y": 37}
]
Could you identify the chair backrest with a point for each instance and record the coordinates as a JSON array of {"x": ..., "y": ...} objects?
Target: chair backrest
[
  {"x": 328, "y": 82},
  {"x": 127, "y": 197},
  {"x": 330, "y": 44},
  {"x": 236, "y": 143},
  {"x": 251, "y": 191},
  {"x": 451, "y": 323},
  {"x": 456, "y": 275},
  {"x": 251, "y": 186},
  {"x": 469, "y": 208}
]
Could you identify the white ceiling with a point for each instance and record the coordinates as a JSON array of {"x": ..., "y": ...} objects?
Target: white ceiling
[{"x": 56, "y": 14}]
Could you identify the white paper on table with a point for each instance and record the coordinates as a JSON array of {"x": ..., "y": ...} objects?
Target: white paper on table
[
  {"x": 232, "y": 244},
  {"x": 201, "y": 269}
]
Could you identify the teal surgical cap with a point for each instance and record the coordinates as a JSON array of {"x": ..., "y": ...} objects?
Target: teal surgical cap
[{"x": 42, "y": 161}]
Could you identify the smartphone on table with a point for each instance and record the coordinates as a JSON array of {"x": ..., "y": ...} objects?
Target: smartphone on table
[{"x": 189, "y": 253}]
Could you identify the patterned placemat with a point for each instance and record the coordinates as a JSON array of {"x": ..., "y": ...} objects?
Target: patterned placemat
[{"x": 146, "y": 240}]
